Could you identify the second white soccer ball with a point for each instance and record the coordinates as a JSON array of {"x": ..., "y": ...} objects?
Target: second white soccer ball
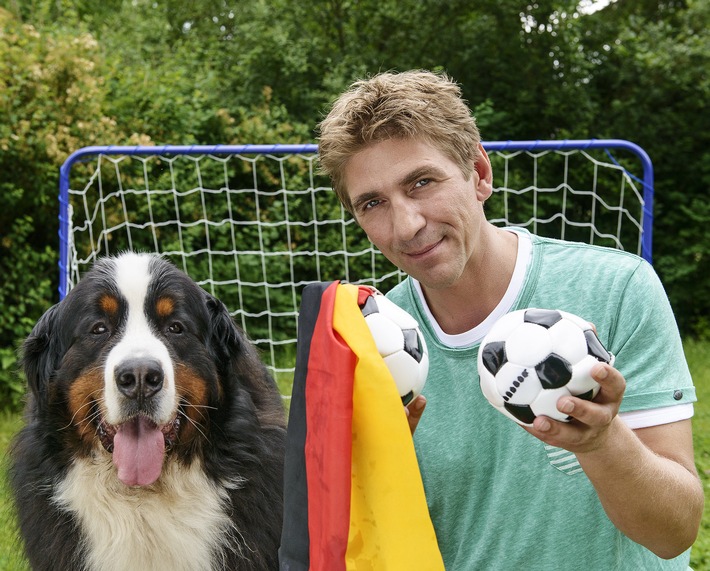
[
  {"x": 532, "y": 357},
  {"x": 400, "y": 343}
]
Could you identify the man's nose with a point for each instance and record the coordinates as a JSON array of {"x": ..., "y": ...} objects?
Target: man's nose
[{"x": 407, "y": 220}]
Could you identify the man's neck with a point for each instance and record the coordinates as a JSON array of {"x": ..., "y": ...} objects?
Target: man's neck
[{"x": 466, "y": 303}]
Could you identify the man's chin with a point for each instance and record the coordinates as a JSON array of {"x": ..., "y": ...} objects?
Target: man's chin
[{"x": 434, "y": 278}]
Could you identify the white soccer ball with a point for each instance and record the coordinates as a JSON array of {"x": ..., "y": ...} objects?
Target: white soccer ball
[
  {"x": 532, "y": 357},
  {"x": 400, "y": 343}
]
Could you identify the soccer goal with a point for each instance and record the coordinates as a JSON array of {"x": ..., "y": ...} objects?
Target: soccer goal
[{"x": 254, "y": 224}]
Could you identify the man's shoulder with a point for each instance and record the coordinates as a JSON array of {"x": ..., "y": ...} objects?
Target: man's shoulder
[
  {"x": 573, "y": 245},
  {"x": 584, "y": 275},
  {"x": 578, "y": 254}
]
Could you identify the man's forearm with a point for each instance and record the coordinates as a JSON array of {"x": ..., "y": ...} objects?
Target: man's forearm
[{"x": 653, "y": 498}]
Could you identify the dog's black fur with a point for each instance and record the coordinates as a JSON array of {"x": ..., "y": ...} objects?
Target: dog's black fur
[{"x": 230, "y": 430}]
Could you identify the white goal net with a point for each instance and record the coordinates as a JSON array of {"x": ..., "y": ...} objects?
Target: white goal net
[{"x": 254, "y": 224}]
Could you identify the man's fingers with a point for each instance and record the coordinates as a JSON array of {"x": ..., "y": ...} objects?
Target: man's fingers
[{"x": 414, "y": 411}]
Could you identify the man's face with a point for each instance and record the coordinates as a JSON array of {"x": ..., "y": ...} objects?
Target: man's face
[{"x": 416, "y": 206}]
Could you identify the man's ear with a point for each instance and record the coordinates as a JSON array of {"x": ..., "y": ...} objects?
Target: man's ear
[{"x": 484, "y": 181}]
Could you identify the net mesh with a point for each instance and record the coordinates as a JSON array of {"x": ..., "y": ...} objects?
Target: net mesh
[{"x": 254, "y": 229}]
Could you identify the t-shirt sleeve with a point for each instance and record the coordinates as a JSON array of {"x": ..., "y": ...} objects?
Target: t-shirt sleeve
[
  {"x": 655, "y": 416},
  {"x": 648, "y": 347}
]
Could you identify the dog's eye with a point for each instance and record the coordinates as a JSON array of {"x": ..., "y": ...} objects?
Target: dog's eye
[
  {"x": 99, "y": 329},
  {"x": 175, "y": 328}
]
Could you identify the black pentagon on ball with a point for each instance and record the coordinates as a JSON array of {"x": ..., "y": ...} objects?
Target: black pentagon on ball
[
  {"x": 554, "y": 372},
  {"x": 521, "y": 411},
  {"x": 543, "y": 317},
  {"x": 595, "y": 347},
  {"x": 494, "y": 356},
  {"x": 589, "y": 395},
  {"x": 370, "y": 306},
  {"x": 412, "y": 344}
]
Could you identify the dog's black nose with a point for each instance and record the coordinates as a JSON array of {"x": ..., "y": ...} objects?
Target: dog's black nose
[{"x": 139, "y": 379}]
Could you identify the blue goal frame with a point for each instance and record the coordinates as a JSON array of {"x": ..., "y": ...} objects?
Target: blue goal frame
[{"x": 85, "y": 153}]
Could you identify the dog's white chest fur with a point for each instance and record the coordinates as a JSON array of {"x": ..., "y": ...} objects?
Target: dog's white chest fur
[{"x": 178, "y": 523}]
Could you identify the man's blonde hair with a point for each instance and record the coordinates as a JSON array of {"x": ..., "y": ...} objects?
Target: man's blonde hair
[{"x": 413, "y": 104}]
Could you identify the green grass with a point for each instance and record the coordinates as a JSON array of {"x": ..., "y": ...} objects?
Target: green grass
[
  {"x": 11, "y": 555},
  {"x": 698, "y": 355}
]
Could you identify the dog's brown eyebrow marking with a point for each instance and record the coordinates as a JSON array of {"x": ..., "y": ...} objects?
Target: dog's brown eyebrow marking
[
  {"x": 164, "y": 306},
  {"x": 109, "y": 304}
]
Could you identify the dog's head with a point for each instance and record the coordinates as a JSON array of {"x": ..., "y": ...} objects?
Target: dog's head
[{"x": 136, "y": 362}]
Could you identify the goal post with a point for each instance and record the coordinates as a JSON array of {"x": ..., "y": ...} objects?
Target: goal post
[
  {"x": 581, "y": 174},
  {"x": 254, "y": 224}
]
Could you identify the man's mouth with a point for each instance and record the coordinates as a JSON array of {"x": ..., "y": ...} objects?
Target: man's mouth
[{"x": 415, "y": 253}]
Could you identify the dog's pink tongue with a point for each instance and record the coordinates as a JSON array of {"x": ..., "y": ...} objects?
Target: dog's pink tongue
[{"x": 138, "y": 450}]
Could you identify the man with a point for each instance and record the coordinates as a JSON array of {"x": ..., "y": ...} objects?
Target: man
[{"x": 405, "y": 158}]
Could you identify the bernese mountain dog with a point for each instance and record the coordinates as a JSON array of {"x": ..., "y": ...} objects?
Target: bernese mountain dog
[{"x": 154, "y": 435}]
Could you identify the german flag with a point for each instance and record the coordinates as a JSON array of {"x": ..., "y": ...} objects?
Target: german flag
[{"x": 353, "y": 496}]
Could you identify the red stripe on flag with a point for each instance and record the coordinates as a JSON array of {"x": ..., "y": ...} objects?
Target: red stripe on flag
[{"x": 329, "y": 394}]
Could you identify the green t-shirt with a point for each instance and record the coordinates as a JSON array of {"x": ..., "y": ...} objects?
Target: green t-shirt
[{"x": 500, "y": 498}]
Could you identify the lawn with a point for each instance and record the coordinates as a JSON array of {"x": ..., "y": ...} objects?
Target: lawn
[
  {"x": 698, "y": 354},
  {"x": 11, "y": 558}
]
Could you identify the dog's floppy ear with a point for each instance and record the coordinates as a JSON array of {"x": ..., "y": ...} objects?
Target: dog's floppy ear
[
  {"x": 239, "y": 360},
  {"x": 223, "y": 337},
  {"x": 41, "y": 354}
]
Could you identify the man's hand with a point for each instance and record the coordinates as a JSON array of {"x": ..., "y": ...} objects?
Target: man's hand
[
  {"x": 589, "y": 426},
  {"x": 414, "y": 411}
]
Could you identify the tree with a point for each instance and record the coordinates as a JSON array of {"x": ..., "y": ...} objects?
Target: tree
[{"x": 651, "y": 86}]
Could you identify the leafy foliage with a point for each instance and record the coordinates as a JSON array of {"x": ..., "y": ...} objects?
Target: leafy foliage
[
  {"x": 659, "y": 62},
  {"x": 51, "y": 104},
  {"x": 76, "y": 73}
]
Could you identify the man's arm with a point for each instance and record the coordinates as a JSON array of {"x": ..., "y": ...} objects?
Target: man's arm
[{"x": 645, "y": 479}]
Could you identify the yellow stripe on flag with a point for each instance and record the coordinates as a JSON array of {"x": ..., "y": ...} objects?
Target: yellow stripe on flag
[{"x": 390, "y": 527}]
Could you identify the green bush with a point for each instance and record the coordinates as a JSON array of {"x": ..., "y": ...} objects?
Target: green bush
[{"x": 25, "y": 293}]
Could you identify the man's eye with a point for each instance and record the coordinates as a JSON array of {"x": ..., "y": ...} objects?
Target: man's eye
[
  {"x": 370, "y": 204},
  {"x": 422, "y": 182}
]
